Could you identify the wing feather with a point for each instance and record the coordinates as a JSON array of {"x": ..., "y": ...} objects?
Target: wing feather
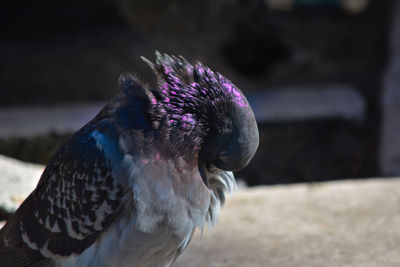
[{"x": 76, "y": 198}]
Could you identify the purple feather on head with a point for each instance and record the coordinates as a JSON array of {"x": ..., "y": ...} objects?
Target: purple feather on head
[{"x": 204, "y": 105}]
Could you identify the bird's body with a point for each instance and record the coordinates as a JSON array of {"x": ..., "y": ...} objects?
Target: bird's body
[{"x": 131, "y": 187}]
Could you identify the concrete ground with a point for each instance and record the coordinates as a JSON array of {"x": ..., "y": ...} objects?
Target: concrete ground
[
  {"x": 345, "y": 223},
  {"x": 17, "y": 180},
  {"x": 341, "y": 223}
]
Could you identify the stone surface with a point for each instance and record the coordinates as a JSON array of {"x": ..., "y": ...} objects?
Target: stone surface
[
  {"x": 347, "y": 223},
  {"x": 390, "y": 144},
  {"x": 351, "y": 223},
  {"x": 17, "y": 180}
]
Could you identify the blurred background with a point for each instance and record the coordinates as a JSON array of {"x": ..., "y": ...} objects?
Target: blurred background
[{"x": 322, "y": 75}]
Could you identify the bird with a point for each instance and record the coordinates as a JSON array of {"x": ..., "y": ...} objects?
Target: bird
[{"x": 131, "y": 187}]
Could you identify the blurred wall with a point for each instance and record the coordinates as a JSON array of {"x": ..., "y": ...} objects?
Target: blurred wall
[
  {"x": 390, "y": 141},
  {"x": 52, "y": 53}
]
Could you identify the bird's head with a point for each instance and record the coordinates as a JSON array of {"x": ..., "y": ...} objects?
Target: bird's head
[{"x": 207, "y": 110}]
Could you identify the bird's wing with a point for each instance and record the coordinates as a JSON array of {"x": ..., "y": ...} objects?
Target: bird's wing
[{"x": 77, "y": 197}]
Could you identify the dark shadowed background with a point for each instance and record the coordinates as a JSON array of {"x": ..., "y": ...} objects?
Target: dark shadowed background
[{"x": 288, "y": 56}]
